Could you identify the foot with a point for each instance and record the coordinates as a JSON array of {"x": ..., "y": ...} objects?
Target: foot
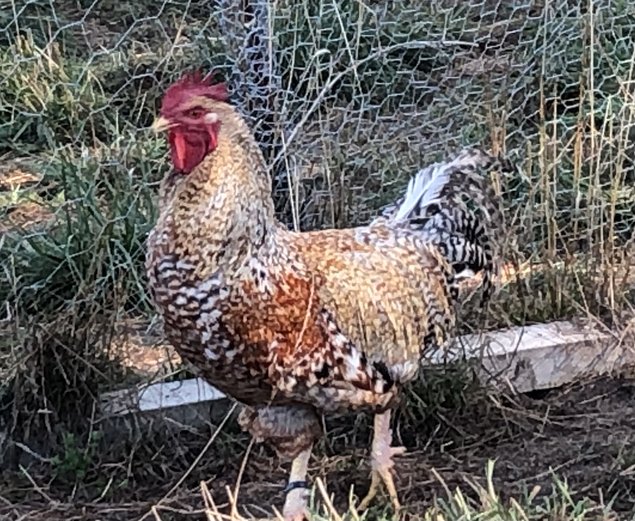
[
  {"x": 295, "y": 505},
  {"x": 382, "y": 462}
]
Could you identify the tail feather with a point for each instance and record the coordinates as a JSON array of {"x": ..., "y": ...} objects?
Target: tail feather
[{"x": 453, "y": 205}]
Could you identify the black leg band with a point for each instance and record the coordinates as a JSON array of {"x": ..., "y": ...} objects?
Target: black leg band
[{"x": 295, "y": 484}]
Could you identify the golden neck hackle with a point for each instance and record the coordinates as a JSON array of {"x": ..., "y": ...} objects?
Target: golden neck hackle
[{"x": 223, "y": 210}]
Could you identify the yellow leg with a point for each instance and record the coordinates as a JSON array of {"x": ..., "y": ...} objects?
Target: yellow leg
[
  {"x": 382, "y": 461},
  {"x": 295, "y": 504}
]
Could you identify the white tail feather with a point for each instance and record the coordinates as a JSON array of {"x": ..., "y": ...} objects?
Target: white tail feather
[{"x": 424, "y": 189}]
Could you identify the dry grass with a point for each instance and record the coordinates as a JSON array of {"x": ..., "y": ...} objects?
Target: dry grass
[{"x": 462, "y": 463}]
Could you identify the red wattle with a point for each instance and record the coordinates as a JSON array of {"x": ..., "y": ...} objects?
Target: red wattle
[{"x": 189, "y": 146}]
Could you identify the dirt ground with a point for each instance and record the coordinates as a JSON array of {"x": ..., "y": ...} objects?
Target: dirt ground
[{"x": 583, "y": 433}]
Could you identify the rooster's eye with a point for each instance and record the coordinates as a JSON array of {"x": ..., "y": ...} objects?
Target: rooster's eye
[{"x": 196, "y": 112}]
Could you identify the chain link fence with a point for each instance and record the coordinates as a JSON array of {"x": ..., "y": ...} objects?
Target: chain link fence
[{"x": 347, "y": 99}]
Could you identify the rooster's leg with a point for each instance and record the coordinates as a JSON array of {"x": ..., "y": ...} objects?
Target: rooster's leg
[
  {"x": 295, "y": 505},
  {"x": 382, "y": 463}
]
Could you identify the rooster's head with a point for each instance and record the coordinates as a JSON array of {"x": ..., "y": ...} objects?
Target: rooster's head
[{"x": 189, "y": 114}]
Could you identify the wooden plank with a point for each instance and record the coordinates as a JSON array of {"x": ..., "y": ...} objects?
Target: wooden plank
[
  {"x": 161, "y": 407},
  {"x": 545, "y": 356},
  {"x": 162, "y": 395},
  {"x": 523, "y": 358}
]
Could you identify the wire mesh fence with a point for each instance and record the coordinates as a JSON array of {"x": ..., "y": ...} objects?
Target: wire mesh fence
[{"x": 347, "y": 99}]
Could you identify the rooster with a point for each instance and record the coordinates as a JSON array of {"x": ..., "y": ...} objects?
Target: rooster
[{"x": 291, "y": 324}]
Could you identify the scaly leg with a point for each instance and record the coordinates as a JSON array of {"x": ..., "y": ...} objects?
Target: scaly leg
[
  {"x": 382, "y": 463},
  {"x": 295, "y": 504}
]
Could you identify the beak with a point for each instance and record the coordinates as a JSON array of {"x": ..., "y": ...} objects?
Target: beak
[{"x": 161, "y": 124}]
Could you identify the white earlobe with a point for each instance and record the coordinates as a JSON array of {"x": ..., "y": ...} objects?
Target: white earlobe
[{"x": 211, "y": 117}]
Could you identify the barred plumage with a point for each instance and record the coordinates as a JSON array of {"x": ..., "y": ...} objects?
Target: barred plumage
[
  {"x": 292, "y": 324},
  {"x": 453, "y": 205}
]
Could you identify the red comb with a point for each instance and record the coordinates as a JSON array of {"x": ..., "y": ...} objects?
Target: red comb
[{"x": 193, "y": 84}]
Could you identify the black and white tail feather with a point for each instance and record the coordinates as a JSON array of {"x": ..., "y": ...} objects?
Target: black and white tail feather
[{"x": 453, "y": 205}]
